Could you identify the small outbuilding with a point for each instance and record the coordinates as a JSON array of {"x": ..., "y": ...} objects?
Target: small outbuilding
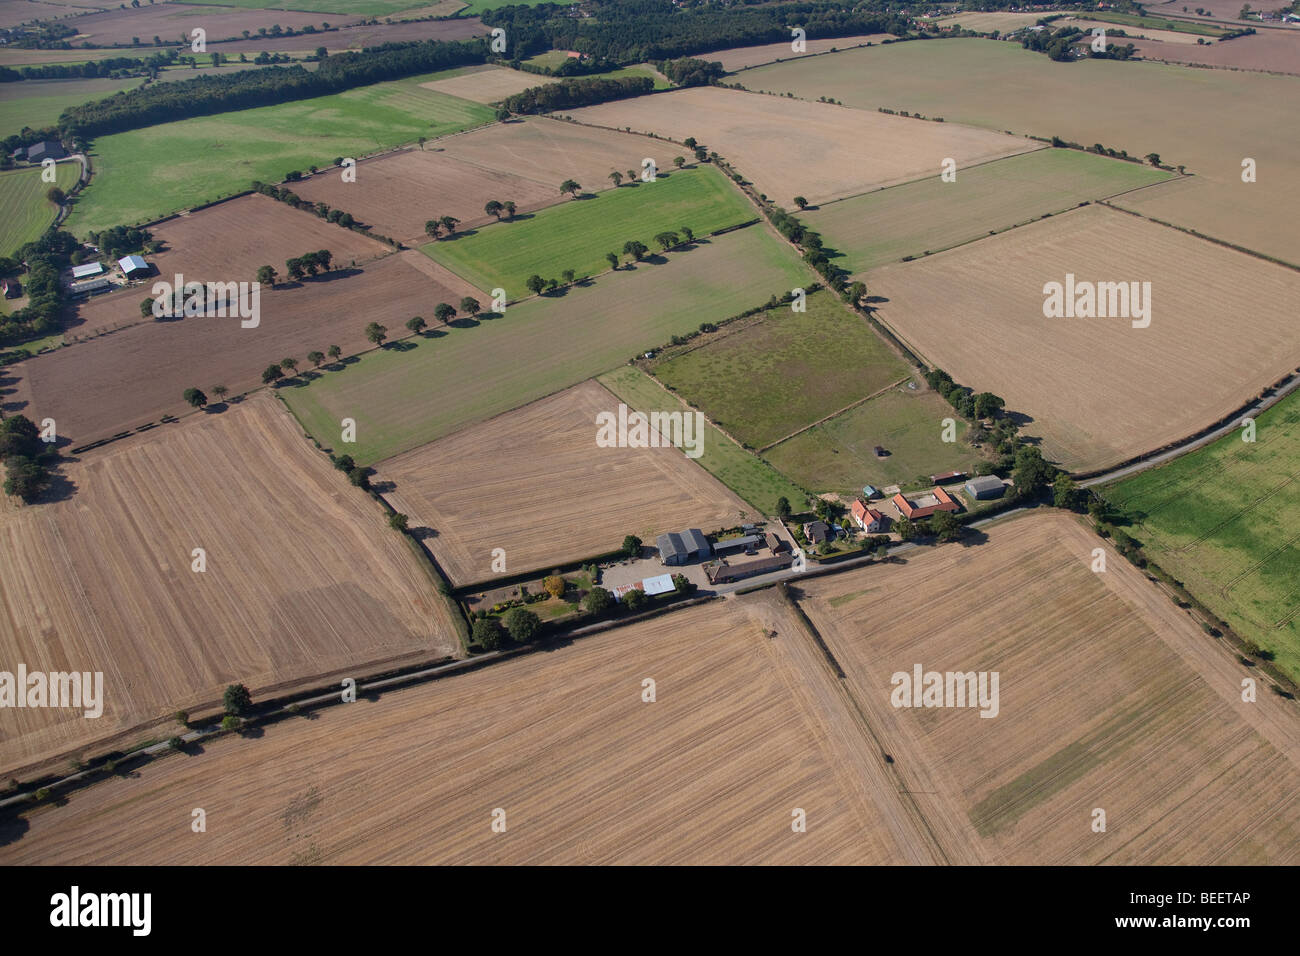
[
  {"x": 986, "y": 487},
  {"x": 133, "y": 266},
  {"x": 87, "y": 270}
]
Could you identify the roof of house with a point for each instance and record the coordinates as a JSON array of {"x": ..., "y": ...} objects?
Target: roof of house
[
  {"x": 864, "y": 512},
  {"x": 723, "y": 570},
  {"x": 86, "y": 270},
  {"x": 935, "y": 500},
  {"x": 131, "y": 263},
  {"x": 816, "y": 530}
]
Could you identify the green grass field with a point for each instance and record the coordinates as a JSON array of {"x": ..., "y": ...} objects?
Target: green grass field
[
  {"x": 930, "y": 215},
  {"x": 751, "y": 478},
  {"x": 1225, "y": 520},
  {"x": 38, "y": 103},
  {"x": 577, "y": 233},
  {"x": 403, "y": 399},
  {"x": 839, "y": 455},
  {"x": 148, "y": 173},
  {"x": 25, "y": 213},
  {"x": 783, "y": 370}
]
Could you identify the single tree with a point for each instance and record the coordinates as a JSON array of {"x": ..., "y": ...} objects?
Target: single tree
[
  {"x": 555, "y": 585},
  {"x": 783, "y": 506},
  {"x": 290, "y": 365},
  {"x": 444, "y": 312},
  {"x": 431, "y": 227},
  {"x": 334, "y": 352},
  {"x": 568, "y": 275},
  {"x": 470, "y": 305},
  {"x": 416, "y": 324},
  {"x": 613, "y": 260},
  {"x": 271, "y": 374},
  {"x": 449, "y": 223},
  {"x": 493, "y": 208},
  {"x": 523, "y": 625},
  {"x": 376, "y": 333},
  {"x": 679, "y": 161},
  {"x": 195, "y": 397},
  {"x": 635, "y": 599},
  {"x": 510, "y": 208},
  {"x": 146, "y": 308},
  {"x": 237, "y": 700},
  {"x": 945, "y": 527},
  {"x": 266, "y": 275},
  {"x": 801, "y": 202},
  {"x": 597, "y": 601},
  {"x": 398, "y": 521},
  {"x": 687, "y": 234},
  {"x": 1065, "y": 493},
  {"x": 535, "y": 284},
  {"x": 631, "y": 546},
  {"x": 689, "y": 142},
  {"x": 220, "y": 391},
  {"x": 316, "y": 357},
  {"x": 635, "y": 249},
  {"x": 616, "y": 178},
  {"x": 571, "y": 187},
  {"x": 55, "y": 195},
  {"x": 486, "y": 633},
  {"x": 667, "y": 240}
]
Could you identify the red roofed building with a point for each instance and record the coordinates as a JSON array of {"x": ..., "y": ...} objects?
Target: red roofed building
[
  {"x": 868, "y": 519},
  {"x": 925, "y": 505}
]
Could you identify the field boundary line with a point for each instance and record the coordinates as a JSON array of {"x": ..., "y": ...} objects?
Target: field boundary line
[
  {"x": 1186, "y": 230},
  {"x": 851, "y": 405},
  {"x": 1038, "y": 148}
]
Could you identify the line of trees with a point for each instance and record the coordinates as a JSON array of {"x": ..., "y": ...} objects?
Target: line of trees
[
  {"x": 568, "y": 94},
  {"x": 25, "y": 456}
]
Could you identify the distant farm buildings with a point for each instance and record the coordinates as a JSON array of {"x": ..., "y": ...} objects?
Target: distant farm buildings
[
  {"x": 683, "y": 547},
  {"x": 922, "y": 506},
  {"x": 986, "y": 487}
]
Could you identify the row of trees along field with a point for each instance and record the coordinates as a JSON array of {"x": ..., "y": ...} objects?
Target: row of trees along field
[
  {"x": 633, "y": 31},
  {"x": 568, "y": 94},
  {"x": 206, "y": 95}
]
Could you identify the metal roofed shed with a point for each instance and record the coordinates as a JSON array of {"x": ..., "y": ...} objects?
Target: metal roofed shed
[
  {"x": 659, "y": 584},
  {"x": 132, "y": 266},
  {"x": 986, "y": 487},
  {"x": 681, "y": 547},
  {"x": 731, "y": 544},
  {"x": 86, "y": 270}
]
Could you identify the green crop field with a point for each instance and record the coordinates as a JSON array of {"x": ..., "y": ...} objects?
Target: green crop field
[
  {"x": 38, "y": 103},
  {"x": 782, "y": 370},
  {"x": 25, "y": 213},
  {"x": 402, "y": 399},
  {"x": 577, "y": 233},
  {"x": 748, "y": 476},
  {"x": 1157, "y": 23},
  {"x": 1003, "y": 87},
  {"x": 839, "y": 455},
  {"x": 1225, "y": 520},
  {"x": 930, "y": 215},
  {"x": 148, "y": 173}
]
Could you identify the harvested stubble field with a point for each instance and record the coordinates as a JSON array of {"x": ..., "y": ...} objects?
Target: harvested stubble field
[
  {"x": 172, "y": 21},
  {"x": 987, "y": 22},
  {"x": 744, "y": 57},
  {"x": 144, "y": 174},
  {"x": 14, "y": 12},
  {"x": 533, "y": 482},
  {"x": 1110, "y": 697},
  {"x": 356, "y": 37},
  {"x": 227, "y": 243},
  {"x": 839, "y": 455},
  {"x": 401, "y": 400},
  {"x": 1099, "y": 391},
  {"x": 767, "y": 376},
  {"x": 1238, "y": 557},
  {"x": 1001, "y": 86},
  {"x": 111, "y": 383},
  {"x": 580, "y": 233},
  {"x": 489, "y": 84},
  {"x": 1273, "y": 51},
  {"x": 24, "y": 210},
  {"x": 584, "y": 770},
  {"x": 101, "y": 579},
  {"x": 524, "y": 161},
  {"x": 753, "y": 479},
  {"x": 788, "y": 148},
  {"x": 929, "y": 215}
]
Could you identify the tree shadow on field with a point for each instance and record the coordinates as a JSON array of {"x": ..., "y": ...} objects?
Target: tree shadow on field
[
  {"x": 59, "y": 486},
  {"x": 385, "y": 487},
  {"x": 463, "y": 234},
  {"x": 215, "y": 408},
  {"x": 584, "y": 195},
  {"x": 656, "y": 259},
  {"x": 1021, "y": 420},
  {"x": 873, "y": 300},
  {"x": 520, "y": 217},
  {"x": 402, "y": 346},
  {"x": 973, "y": 537},
  {"x": 462, "y": 322},
  {"x": 13, "y": 828},
  {"x": 423, "y": 533}
]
